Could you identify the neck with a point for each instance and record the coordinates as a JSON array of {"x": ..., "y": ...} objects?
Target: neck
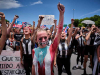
[
  {"x": 41, "y": 46},
  {"x": 27, "y": 36}
]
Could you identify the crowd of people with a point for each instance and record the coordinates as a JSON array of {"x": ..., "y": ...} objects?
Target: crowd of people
[{"x": 43, "y": 49}]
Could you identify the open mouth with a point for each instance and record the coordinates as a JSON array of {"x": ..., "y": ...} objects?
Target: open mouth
[{"x": 62, "y": 36}]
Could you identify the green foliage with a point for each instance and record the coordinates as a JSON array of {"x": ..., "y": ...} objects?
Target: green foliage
[{"x": 95, "y": 18}]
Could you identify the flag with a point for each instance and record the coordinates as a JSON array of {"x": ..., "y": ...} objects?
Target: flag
[
  {"x": 43, "y": 26},
  {"x": 65, "y": 30},
  {"x": 24, "y": 24}
]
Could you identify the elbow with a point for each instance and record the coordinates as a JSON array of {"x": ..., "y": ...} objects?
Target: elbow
[{"x": 86, "y": 39}]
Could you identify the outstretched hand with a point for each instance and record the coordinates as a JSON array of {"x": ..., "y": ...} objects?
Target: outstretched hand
[{"x": 61, "y": 8}]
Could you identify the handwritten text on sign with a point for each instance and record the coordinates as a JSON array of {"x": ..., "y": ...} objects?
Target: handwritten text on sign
[{"x": 10, "y": 63}]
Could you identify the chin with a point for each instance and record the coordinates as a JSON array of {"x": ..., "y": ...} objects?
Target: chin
[
  {"x": 26, "y": 33},
  {"x": 43, "y": 46}
]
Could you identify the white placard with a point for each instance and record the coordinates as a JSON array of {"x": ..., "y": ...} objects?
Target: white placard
[
  {"x": 47, "y": 20},
  {"x": 10, "y": 63}
]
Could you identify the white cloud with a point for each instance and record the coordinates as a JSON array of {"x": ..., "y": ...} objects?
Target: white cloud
[
  {"x": 38, "y": 2},
  {"x": 91, "y": 13},
  {"x": 8, "y": 4}
]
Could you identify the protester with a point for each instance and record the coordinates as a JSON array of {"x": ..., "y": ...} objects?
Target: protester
[
  {"x": 17, "y": 36},
  {"x": 90, "y": 37},
  {"x": 63, "y": 57},
  {"x": 43, "y": 56},
  {"x": 50, "y": 35},
  {"x": 26, "y": 47},
  {"x": 81, "y": 43}
]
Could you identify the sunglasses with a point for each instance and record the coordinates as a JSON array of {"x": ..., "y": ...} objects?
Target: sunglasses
[{"x": 42, "y": 38}]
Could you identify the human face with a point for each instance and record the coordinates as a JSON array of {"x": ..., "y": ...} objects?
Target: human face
[
  {"x": 49, "y": 33},
  {"x": 63, "y": 35},
  {"x": 26, "y": 30},
  {"x": 93, "y": 26},
  {"x": 42, "y": 39}
]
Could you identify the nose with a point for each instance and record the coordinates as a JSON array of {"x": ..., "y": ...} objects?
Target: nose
[{"x": 43, "y": 39}]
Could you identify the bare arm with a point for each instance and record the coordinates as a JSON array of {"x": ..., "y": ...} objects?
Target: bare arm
[
  {"x": 55, "y": 57},
  {"x": 33, "y": 70},
  {"x": 4, "y": 31},
  {"x": 55, "y": 21},
  {"x": 11, "y": 25},
  {"x": 88, "y": 36},
  {"x": 70, "y": 32},
  {"x": 51, "y": 29},
  {"x": 33, "y": 27},
  {"x": 39, "y": 21},
  {"x": 98, "y": 53},
  {"x": 61, "y": 9},
  {"x": 21, "y": 52}
]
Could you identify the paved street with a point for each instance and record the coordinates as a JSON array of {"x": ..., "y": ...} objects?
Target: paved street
[{"x": 78, "y": 71}]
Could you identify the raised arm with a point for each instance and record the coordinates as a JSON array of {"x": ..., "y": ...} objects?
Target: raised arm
[
  {"x": 39, "y": 21},
  {"x": 33, "y": 27},
  {"x": 70, "y": 32},
  {"x": 4, "y": 31},
  {"x": 51, "y": 29},
  {"x": 61, "y": 9},
  {"x": 88, "y": 36},
  {"x": 11, "y": 25},
  {"x": 55, "y": 21},
  {"x": 21, "y": 52}
]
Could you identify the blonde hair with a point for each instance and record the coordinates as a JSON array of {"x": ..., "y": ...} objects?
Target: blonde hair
[{"x": 38, "y": 30}]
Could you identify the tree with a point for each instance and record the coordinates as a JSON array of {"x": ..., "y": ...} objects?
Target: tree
[{"x": 76, "y": 22}]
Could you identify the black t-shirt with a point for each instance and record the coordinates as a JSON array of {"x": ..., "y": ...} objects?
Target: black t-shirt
[{"x": 18, "y": 37}]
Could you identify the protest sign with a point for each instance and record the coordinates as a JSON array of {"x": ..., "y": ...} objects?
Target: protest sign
[
  {"x": 47, "y": 20},
  {"x": 10, "y": 63}
]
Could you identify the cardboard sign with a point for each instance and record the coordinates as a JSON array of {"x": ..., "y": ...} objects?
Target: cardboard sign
[
  {"x": 47, "y": 20},
  {"x": 10, "y": 63}
]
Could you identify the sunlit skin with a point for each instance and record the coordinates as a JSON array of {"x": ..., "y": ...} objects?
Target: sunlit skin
[
  {"x": 63, "y": 35},
  {"x": 41, "y": 35},
  {"x": 93, "y": 26},
  {"x": 26, "y": 31},
  {"x": 49, "y": 33}
]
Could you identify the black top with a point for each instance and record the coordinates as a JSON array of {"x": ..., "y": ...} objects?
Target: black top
[{"x": 18, "y": 37}]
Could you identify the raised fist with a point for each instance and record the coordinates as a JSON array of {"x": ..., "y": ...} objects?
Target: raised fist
[
  {"x": 33, "y": 22},
  {"x": 72, "y": 21},
  {"x": 41, "y": 17},
  {"x": 55, "y": 21},
  {"x": 61, "y": 8},
  {"x": 2, "y": 15},
  {"x": 16, "y": 16}
]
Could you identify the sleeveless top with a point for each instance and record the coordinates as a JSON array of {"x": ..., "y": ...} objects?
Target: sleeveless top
[
  {"x": 27, "y": 46},
  {"x": 62, "y": 49}
]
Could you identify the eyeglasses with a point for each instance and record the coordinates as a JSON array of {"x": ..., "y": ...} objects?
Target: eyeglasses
[{"x": 42, "y": 38}]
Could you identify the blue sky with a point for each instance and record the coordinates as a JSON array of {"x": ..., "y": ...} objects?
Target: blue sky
[{"x": 29, "y": 10}]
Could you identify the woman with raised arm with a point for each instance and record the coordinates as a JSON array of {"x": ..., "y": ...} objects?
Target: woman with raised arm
[
  {"x": 4, "y": 31},
  {"x": 26, "y": 46},
  {"x": 9, "y": 29},
  {"x": 50, "y": 35},
  {"x": 63, "y": 52},
  {"x": 43, "y": 56}
]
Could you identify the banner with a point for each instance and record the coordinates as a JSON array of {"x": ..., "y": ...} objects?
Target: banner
[
  {"x": 10, "y": 63},
  {"x": 47, "y": 20}
]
